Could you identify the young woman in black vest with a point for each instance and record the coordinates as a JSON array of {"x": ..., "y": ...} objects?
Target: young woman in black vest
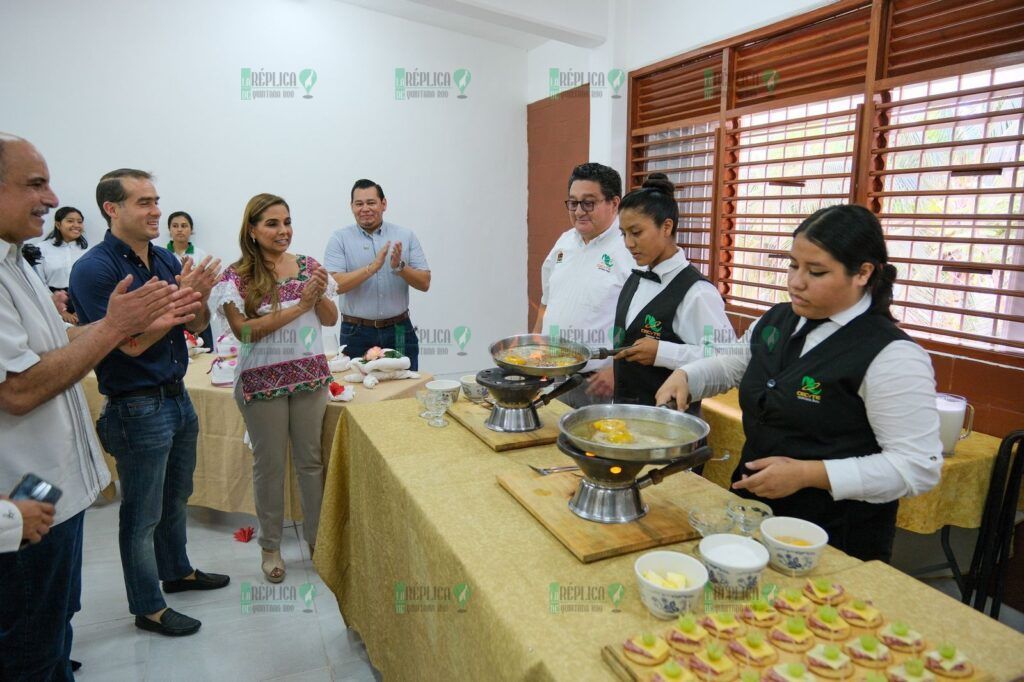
[
  {"x": 667, "y": 312},
  {"x": 838, "y": 403}
]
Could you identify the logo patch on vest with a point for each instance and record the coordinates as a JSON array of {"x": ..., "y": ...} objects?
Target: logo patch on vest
[
  {"x": 559, "y": 256},
  {"x": 810, "y": 390},
  {"x": 652, "y": 327},
  {"x": 770, "y": 335},
  {"x": 606, "y": 263}
]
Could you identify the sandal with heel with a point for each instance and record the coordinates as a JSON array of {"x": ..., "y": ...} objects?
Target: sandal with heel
[{"x": 273, "y": 565}]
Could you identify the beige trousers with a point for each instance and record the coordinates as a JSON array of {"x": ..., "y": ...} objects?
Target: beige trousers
[{"x": 298, "y": 418}]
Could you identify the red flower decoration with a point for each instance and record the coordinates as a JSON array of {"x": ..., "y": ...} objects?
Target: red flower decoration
[
  {"x": 336, "y": 388},
  {"x": 245, "y": 534}
]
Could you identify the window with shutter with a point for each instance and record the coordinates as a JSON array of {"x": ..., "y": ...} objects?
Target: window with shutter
[
  {"x": 948, "y": 186},
  {"x": 686, "y": 154},
  {"x": 780, "y": 165}
]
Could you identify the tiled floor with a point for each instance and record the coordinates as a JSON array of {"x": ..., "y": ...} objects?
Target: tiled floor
[{"x": 232, "y": 645}]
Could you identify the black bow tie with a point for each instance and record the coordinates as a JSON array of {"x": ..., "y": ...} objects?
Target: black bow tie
[{"x": 647, "y": 274}]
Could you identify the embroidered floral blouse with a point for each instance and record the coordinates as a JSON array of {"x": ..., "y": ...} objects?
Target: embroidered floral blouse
[{"x": 291, "y": 358}]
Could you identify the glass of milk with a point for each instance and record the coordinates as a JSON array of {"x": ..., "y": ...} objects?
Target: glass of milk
[{"x": 952, "y": 410}]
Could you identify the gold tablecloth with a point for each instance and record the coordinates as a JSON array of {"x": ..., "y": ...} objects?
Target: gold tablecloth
[
  {"x": 408, "y": 504},
  {"x": 958, "y": 499},
  {"x": 223, "y": 476}
]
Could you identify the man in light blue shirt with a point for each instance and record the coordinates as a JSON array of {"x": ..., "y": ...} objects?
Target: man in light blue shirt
[{"x": 374, "y": 264}]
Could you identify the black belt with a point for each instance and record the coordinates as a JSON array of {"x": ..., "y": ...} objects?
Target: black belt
[
  {"x": 166, "y": 391},
  {"x": 376, "y": 324}
]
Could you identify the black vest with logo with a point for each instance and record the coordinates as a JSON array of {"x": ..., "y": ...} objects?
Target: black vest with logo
[
  {"x": 809, "y": 409},
  {"x": 636, "y": 383}
]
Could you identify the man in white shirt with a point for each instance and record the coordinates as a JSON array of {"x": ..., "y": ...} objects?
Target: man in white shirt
[
  {"x": 583, "y": 274},
  {"x": 45, "y": 422}
]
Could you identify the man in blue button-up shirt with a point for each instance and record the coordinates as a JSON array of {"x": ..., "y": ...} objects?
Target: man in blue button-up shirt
[
  {"x": 44, "y": 422},
  {"x": 148, "y": 423},
  {"x": 375, "y": 306}
]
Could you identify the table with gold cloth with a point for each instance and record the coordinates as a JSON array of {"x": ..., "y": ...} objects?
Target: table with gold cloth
[
  {"x": 415, "y": 511},
  {"x": 223, "y": 476},
  {"x": 958, "y": 499}
]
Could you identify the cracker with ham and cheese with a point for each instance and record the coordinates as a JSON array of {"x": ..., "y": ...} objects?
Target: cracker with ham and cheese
[
  {"x": 687, "y": 635},
  {"x": 947, "y": 661},
  {"x": 792, "y": 635},
  {"x": 827, "y": 660},
  {"x": 712, "y": 665},
  {"x": 645, "y": 649},
  {"x": 723, "y": 625},
  {"x": 900, "y": 637},
  {"x": 824, "y": 591}
]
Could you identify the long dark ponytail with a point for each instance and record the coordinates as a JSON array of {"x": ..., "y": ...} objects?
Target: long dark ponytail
[{"x": 853, "y": 236}]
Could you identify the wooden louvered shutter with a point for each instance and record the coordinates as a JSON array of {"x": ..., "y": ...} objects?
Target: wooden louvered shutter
[
  {"x": 686, "y": 154},
  {"x": 675, "y": 122},
  {"x": 781, "y": 165},
  {"x": 927, "y": 34},
  {"x": 681, "y": 92},
  {"x": 820, "y": 56},
  {"x": 947, "y": 181}
]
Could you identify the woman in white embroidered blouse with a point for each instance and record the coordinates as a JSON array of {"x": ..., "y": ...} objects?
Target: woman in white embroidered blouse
[
  {"x": 60, "y": 250},
  {"x": 275, "y": 302}
]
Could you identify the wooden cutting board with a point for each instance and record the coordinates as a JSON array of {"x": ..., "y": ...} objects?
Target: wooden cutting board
[
  {"x": 472, "y": 416},
  {"x": 547, "y": 498}
]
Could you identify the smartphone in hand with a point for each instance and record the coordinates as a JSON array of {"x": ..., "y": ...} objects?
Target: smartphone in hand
[{"x": 31, "y": 487}]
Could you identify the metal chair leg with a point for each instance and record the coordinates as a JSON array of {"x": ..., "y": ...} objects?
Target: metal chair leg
[{"x": 953, "y": 565}]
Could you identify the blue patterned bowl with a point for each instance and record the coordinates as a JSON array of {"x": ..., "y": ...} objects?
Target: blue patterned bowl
[
  {"x": 667, "y": 603},
  {"x": 733, "y": 561},
  {"x": 790, "y": 559}
]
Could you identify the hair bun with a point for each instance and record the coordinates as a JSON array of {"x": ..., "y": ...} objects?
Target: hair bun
[
  {"x": 661, "y": 183},
  {"x": 889, "y": 273}
]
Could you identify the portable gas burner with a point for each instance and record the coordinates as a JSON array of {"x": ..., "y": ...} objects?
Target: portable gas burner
[
  {"x": 609, "y": 491},
  {"x": 517, "y": 396}
]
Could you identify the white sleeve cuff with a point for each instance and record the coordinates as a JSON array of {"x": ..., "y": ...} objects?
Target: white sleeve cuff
[
  {"x": 10, "y": 527},
  {"x": 844, "y": 478}
]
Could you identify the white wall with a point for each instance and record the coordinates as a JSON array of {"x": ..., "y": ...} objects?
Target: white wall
[
  {"x": 156, "y": 85},
  {"x": 643, "y": 32}
]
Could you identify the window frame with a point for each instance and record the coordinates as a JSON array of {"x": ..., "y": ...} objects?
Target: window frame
[{"x": 885, "y": 21}]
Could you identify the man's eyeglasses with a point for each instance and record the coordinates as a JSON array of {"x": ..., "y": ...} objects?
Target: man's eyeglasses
[{"x": 587, "y": 205}]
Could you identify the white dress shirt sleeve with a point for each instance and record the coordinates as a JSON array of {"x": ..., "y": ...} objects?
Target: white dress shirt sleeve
[
  {"x": 10, "y": 527},
  {"x": 712, "y": 376},
  {"x": 545, "y": 273},
  {"x": 701, "y": 310},
  {"x": 898, "y": 391},
  {"x": 15, "y": 354}
]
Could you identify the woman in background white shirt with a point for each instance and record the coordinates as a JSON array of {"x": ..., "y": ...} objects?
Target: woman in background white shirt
[
  {"x": 60, "y": 250},
  {"x": 838, "y": 403},
  {"x": 181, "y": 227}
]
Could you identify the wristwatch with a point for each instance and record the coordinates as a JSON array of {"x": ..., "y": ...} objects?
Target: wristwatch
[{"x": 401, "y": 266}]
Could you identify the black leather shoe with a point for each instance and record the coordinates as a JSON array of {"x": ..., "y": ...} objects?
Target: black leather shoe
[
  {"x": 172, "y": 624},
  {"x": 202, "y": 581}
]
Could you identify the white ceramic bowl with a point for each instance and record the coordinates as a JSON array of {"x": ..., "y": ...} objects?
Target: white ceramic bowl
[
  {"x": 449, "y": 386},
  {"x": 471, "y": 389},
  {"x": 793, "y": 559},
  {"x": 663, "y": 602},
  {"x": 733, "y": 561}
]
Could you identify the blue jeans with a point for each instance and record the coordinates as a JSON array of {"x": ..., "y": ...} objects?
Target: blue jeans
[
  {"x": 402, "y": 337},
  {"x": 153, "y": 440},
  {"x": 40, "y": 590}
]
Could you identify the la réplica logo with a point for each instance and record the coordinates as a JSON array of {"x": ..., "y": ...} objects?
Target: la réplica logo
[{"x": 263, "y": 84}]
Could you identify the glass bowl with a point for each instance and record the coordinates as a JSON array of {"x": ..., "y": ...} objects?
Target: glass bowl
[
  {"x": 747, "y": 515},
  {"x": 710, "y": 520}
]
